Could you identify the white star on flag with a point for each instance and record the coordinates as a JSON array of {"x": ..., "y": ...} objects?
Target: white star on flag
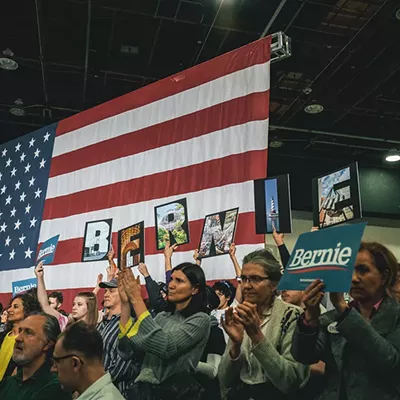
[
  {"x": 42, "y": 163},
  {"x": 12, "y": 254},
  {"x": 46, "y": 137},
  {"x": 31, "y": 181},
  {"x": 22, "y": 239},
  {"x": 3, "y": 189},
  {"x": 17, "y": 185},
  {"x": 3, "y": 227},
  {"x": 4, "y": 152},
  {"x": 22, "y": 158},
  {"x": 13, "y": 211},
  {"x": 8, "y": 162},
  {"x": 8, "y": 200},
  {"x": 8, "y": 240},
  {"x": 31, "y": 142},
  {"x": 22, "y": 197},
  {"x": 1, "y": 175},
  {"x": 17, "y": 224},
  {"x": 27, "y": 167},
  {"x": 28, "y": 253},
  {"x": 37, "y": 153},
  {"x": 1, "y": 214},
  {"x": 27, "y": 209},
  {"x": 37, "y": 193},
  {"x": 17, "y": 147},
  {"x": 33, "y": 222},
  {"x": 13, "y": 171}
]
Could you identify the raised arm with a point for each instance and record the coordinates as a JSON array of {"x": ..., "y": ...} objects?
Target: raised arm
[
  {"x": 238, "y": 271},
  {"x": 283, "y": 251},
  {"x": 42, "y": 294},
  {"x": 168, "y": 252},
  {"x": 157, "y": 303},
  {"x": 96, "y": 289}
]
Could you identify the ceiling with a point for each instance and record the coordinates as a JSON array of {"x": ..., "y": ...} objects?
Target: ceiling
[{"x": 75, "y": 54}]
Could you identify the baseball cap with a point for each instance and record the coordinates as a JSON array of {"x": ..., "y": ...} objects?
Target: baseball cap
[{"x": 112, "y": 284}]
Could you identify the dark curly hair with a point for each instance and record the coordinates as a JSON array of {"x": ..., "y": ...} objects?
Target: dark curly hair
[{"x": 30, "y": 303}]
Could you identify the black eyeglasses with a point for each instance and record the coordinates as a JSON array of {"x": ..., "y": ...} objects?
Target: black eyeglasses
[
  {"x": 56, "y": 360},
  {"x": 254, "y": 279}
]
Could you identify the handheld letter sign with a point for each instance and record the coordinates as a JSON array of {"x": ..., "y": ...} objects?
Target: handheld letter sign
[
  {"x": 328, "y": 255},
  {"x": 47, "y": 250}
]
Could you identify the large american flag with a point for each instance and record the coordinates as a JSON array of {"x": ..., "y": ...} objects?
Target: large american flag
[{"x": 201, "y": 134}]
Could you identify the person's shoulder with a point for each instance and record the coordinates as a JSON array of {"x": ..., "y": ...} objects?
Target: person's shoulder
[
  {"x": 286, "y": 308},
  {"x": 51, "y": 389}
]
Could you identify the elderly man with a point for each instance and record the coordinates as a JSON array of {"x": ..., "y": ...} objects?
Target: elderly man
[
  {"x": 78, "y": 359},
  {"x": 123, "y": 373},
  {"x": 33, "y": 348}
]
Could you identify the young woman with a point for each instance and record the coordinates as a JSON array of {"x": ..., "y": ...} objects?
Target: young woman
[
  {"x": 257, "y": 363},
  {"x": 360, "y": 341},
  {"x": 21, "y": 306},
  {"x": 84, "y": 306},
  {"x": 173, "y": 341}
]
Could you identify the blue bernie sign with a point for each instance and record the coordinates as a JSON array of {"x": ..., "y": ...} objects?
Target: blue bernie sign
[
  {"x": 47, "y": 250},
  {"x": 23, "y": 286},
  {"x": 328, "y": 255}
]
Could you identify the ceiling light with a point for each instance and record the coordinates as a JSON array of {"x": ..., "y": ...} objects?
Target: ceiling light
[
  {"x": 18, "y": 110},
  {"x": 314, "y": 108},
  {"x": 393, "y": 156},
  {"x": 6, "y": 62},
  {"x": 276, "y": 144}
]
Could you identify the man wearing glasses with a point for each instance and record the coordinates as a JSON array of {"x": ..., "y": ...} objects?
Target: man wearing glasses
[
  {"x": 77, "y": 359},
  {"x": 33, "y": 348},
  {"x": 257, "y": 363}
]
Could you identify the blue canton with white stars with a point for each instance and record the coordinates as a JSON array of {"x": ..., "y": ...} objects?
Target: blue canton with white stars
[{"x": 24, "y": 174}]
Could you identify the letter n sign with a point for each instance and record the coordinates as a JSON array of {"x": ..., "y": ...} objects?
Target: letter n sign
[{"x": 97, "y": 240}]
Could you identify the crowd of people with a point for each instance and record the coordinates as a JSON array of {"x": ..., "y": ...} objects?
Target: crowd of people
[{"x": 235, "y": 340}]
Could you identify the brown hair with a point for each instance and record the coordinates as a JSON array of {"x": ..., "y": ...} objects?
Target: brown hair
[
  {"x": 91, "y": 302},
  {"x": 386, "y": 262}
]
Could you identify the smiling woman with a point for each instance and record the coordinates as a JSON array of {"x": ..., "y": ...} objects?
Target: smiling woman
[{"x": 21, "y": 306}]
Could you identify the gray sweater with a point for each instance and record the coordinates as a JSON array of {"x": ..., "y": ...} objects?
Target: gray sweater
[
  {"x": 362, "y": 357},
  {"x": 270, "y": 361},
  {"x": 173, "y": 344}
]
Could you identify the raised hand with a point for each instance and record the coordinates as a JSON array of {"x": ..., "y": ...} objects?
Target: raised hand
[
  {"x": 121, "y": 289},
  {"x": 278, "y": 237},
  {"x": 232, "y": 326},
  {"x": 232, "y": 250},
  {"x": 338, "y": 301},
  {"x": 248, "y": 316},
  {"x": 111, "y": 254},
  {"x": 99, "y": 279},
  {"x": 131, "y": 284},
  {"x": 312, "y": 299},
  {"x": 169, "y": 250},
  {"x": 39, "y": 271},
  {"x": 143, "y": 270},
  {"x": 197, "y": 257}
]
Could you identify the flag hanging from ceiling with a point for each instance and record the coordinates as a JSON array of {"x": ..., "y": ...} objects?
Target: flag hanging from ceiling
[{"x": 201, "y": 134}]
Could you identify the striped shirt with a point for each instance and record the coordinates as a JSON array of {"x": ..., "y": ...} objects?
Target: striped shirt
[{"x": 123, "y": 373}]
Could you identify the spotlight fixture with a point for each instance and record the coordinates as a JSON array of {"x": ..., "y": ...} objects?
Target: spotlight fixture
[
  {"x": 276, "y": 144},
  {"x": 6, "y": 61},
  {"x": 18, "y": 110},
  {"x": 314, "y": 108},
  {"x": 393, "y": 156}
]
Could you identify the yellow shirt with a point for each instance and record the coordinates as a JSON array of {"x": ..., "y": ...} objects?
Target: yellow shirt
[{"x": 6, "y": 352}]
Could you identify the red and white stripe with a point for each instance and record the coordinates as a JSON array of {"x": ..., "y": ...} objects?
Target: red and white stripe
[{"x": 201, "y": 134}]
